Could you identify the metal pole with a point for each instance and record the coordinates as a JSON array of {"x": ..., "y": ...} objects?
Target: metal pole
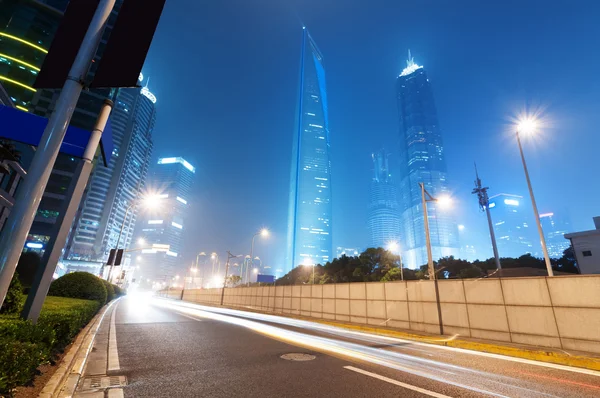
[
  {"x": 535, "y": 211},
  {"x": 313, "y": 274},
  {"x": 45, "y": 272},
  {"x": 251, "y": 260},
  {"x": 427, "y": 237},
  {"x": 493, "y": 236},
  {"x": 112, "y": 264},
  {"x": 401, "y": 268},
  {"x": 432, "y": 275},
  {"x": 30, "y": 193}
]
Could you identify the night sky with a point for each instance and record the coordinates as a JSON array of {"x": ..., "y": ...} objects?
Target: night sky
[{"x": 226, "y": 76}]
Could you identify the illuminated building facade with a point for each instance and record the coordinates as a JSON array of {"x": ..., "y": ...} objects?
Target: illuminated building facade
[
  {"x": 555, "y": 227},
  {"x": 347, "y": 251},
  {"x": 309, "y": 219},
  {"x": 166, "y": 225},
  {"x": 384, "y": 216},
  {"x": 422, "y": 160},
  {"x": 111, "y": 190},
  {"x": 514, "y": 236}
]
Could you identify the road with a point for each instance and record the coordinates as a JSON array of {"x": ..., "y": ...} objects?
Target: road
[{"x": 172, "y": 349}]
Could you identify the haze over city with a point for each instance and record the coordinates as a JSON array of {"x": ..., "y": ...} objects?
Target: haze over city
[{"x": 227, "y": 96}]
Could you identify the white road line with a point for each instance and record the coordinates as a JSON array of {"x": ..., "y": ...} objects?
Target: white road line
[
  {"x": 191, "y": 317},
  {"x": 396, "y": 382},
  {"x": 113, "y": 352}
]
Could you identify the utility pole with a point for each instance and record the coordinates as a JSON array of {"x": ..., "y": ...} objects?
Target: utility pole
[{"x": 484, "y": 203}]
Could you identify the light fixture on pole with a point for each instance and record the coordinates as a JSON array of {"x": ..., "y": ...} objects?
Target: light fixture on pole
[
  {"x": 394, "y": 248},
  {"x": 264, "y": 233},
  {"x": 528, "y": 126},
  {"x": 442, "y": 202},
  {"x": 149, "y": 201}
]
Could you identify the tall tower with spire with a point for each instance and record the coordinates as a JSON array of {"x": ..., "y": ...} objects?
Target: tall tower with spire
[
  {"x": 309, "y": 217},
  {"x": 422, "y": 160}
]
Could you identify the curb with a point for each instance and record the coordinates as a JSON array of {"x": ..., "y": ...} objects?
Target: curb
[
  {"x": 533, "y": 354},
  {"x": 66, "y": 377}
]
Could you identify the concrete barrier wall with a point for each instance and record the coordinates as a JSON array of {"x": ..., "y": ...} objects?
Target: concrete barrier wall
[{"x": 558, "y": 312}]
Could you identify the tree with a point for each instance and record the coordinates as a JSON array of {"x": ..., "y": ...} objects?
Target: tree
[
  {"x": 28, "y": 265},
  {"x": 568, "y": 262},
  {"x": 232, "y": 280}
]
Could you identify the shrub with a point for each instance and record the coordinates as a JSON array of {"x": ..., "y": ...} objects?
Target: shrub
[
  {"x": 14, "y": 297},
  {"x": 110, "y": 290},
  {"x": 24, "y": 346},
  {"x": 119, "y": 291},
  {"x": 81, "y": 285}
]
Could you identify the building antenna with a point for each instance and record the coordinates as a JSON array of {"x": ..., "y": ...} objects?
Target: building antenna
[{"x": 484, "y": 204}]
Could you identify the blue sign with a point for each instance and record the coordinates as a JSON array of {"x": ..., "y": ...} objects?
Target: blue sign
[
  {"x": 265, "y": 278},
  {"x": 28, "y": 129}
]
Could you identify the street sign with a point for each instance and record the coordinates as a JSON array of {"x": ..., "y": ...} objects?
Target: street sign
[{"x": 28, "y": 128}]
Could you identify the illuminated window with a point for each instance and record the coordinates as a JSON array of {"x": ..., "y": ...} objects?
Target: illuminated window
[{"x": 155, "y": 221}]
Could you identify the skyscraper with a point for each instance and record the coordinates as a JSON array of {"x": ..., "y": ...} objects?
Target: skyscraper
[
  {"x": 309, "y": 220},
  {"x": 111, "y": 190},
  {"x": 384, "y": 216},
  {"x": 513, "y": 234},
  {"x": 555, "y": 227},
  {"x": 422, "y": 160},
  {"x": 173, "y": 178}
]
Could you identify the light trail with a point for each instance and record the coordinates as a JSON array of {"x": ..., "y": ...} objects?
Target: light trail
[{"x": 479, "y": 382}]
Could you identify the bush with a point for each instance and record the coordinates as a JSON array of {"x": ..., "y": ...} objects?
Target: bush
[
  {"x": 24, "y": 346},
  {"x": 110, "y": 290},
  {"x": 14, "y": 297},
  {"x": 119, "y": 291},
  {"x": 81, "y": 285}
]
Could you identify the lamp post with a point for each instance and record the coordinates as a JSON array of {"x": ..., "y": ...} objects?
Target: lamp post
[
  {"x": 264, "y": 233},
  {"x": 394, "y": 248},
  {"x": 203, "y": 268},
  {"x": 150, "y": 202},
  {"x": 214, "y": 257},
  {"x": 426, "y": 197},
  {"x": 528, "y": 127}
]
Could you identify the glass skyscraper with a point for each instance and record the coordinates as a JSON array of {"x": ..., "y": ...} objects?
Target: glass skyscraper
[
  {"x": 114, "y": 188},
  {"x": 309, "y": 220},
  {"x": 510, "y": 215},
  {"x": 384, "y": 216},
  {"x": 422, "y": 160},
  {"x": 555, "y": 227},
  {"x": 173, "y": 178}
]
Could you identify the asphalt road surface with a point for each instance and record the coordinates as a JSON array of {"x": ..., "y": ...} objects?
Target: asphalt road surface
[{"x": 172, "y": 349}]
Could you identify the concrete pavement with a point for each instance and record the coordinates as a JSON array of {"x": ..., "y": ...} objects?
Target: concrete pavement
[{"x": 168, "y": 348}]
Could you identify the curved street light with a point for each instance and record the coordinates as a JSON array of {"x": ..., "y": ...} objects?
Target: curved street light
[{"x": 528, "y": 126}]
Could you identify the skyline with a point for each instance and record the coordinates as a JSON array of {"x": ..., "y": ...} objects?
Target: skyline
[{"x": 477, "y": 89}]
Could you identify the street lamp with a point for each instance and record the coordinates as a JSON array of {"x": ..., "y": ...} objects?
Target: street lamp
[
  {"x": 528, "y": 126},
  {"x": 394, "y": 248},
  {"x": 443, "y": 202},
  {"x": 264, "y": 233},
  {"x": 150, "y": 202}
]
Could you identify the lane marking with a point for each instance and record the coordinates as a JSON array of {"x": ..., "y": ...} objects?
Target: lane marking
[
  {"x": 190, "y": 317},
  {"x": 113, "y": 352},
  {"x": 396, "y": 382},
  {"x": 340, "y": 330}
]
